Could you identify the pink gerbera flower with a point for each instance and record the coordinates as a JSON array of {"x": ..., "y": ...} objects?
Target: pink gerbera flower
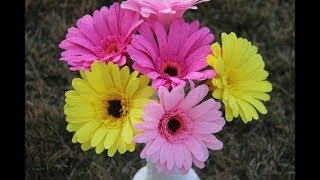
[
  {"x": 103, "y": 37},
  {"x": 177, "y": 131},
  {"x": 172, "y": 58},
  {"x": 160, "y": 10}
]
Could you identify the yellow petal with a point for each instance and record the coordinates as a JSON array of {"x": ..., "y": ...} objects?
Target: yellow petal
[
  {"x": 132, "y": 87},
  {"x": 134, "y": 121},
  {"x": 124, "y": 74},
  {"x": 72, "y": 119},
  {"x": 116, "y": 77},
  {"x": 131, "y": 146},
  {"x": 127, "y": 133},
  {"x": 86, "y": 146},
  {"x": 121, "y": 146},
  {"x": 71, "y": 127},
  {"x": 100, "y": 146},
  {"x": 71, "y": 93},
  {"x": 85, "y": 131},
  {"x": 133, "y": 75},
  {"x": 258, "y": 95},
  {"x": 75, "y": 100},
  {"x": 135, "y": 113},
  {"x": 216, "y": 49},
  {"x": 228, "y": 113},
  {"x": 112, "y": 150},
  {"x": 144, "y": 92},
  {"x": 217, "y": 93},
  {"x": 98, "y": 136},
  {"x": 80, "y": 111},
  {"x": 210, "y": 60},
  {"x": 96, "y": 78},
  {"x": 256, "y": 103},
  {"x": 111, "y": 137},
  {"x": 218, "y": 66},
  {"x": 82, "y": 74},
  {"x": 84, "y": 90},
  {"x": 74, "y": 139},
  {"x": 144, "y": 81},
  {"x": 234, "y": 106},
  {"x": 139, "y": 102},
  {"x": 246, "y": 108},
  {"x": 263, "y": 86}
]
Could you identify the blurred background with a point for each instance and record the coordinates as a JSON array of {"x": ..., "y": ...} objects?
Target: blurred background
[{"x": 263, "y": 149}]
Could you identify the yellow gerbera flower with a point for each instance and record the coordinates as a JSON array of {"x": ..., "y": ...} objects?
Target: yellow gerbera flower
[
  {"x": 241, "y": 79},
  {"x": 105, "y": 105}
]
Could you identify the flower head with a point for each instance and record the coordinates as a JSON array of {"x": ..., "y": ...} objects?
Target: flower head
[
  {"x": 170, "y": 59},
  {"x": 104, "y": 106},
  {"x": 163, "y": 11},
  {"x": 103, "y": 37},
  {"x": 177, "y": 131},
  {"x": 241, "y": 79}
]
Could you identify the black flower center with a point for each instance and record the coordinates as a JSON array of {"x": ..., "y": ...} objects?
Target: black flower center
[
  {"x": 171, "y": 71},
  {"x": 115, "y": 108},
  {"x": 173, "y": 125}
]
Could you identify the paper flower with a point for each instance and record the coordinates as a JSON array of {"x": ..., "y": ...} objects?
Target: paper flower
[
  {"x": 177, "y": 131},
  {"x": 163, "y": 11},
  {"x": 241, "y": 79},
  {"x": 104, "y": 106},
  {"x": 103, "y": 37},
  {"x": 170, "y": 59}
]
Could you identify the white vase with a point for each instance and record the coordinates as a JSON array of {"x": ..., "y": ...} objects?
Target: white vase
[{"x": 150, "y": 172}]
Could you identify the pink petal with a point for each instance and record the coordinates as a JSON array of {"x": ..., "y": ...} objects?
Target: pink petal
[
  {"x": 113, "y": 22},
  {"x": 162, "y": 39},
  {"x": 99, "y": 23},
  {"x": 142, "y": 59},
  {"x": 131, "y": 5},
  {"x": 140, "y": 43},
  {"x": 187, "y": 158},
  {"x": 170, "y": 159},
  {"x": 143, "y": 152},
  {"x": 155, "y": 146},
  {"x": 205, "y": 38},
  {"x": 153, "y": 111},
  {"x": 147, "y": 125},
  {"x": 201, "y": 109},
  {"x": 197, "y": 148},
  {"x": 164, "y": 152},
  {"x": 194, "y": 97},
  {"x": 155, "y": 157},
  {"x": 141, "y": 69},
  {"x": 171, "y": 100},
  {"x": 158, "y": 82},
  {"x": 178, "y": 155},
  {"x": 145, "y": 31},
  {"x": 206, "y": 127},
  {"x": 153, "y": 75},
  {"x": 199, "y": 164},
  {"x": 197, "y": 60},
  {"x": 210, "y": 141},
  {"x": 146, "y": 136},
  {"x": 86, "y": 27}
]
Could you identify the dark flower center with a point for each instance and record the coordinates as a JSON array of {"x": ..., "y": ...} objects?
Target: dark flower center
[
  {"x": 115, "y": 108},
  {"x": 173, "y": 125},
  {"x": 171, "y": 71},
  {"x": 112, "y": 47}
]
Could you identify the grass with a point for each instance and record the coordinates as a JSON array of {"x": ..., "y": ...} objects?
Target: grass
[{"x": 263, "y": 149}]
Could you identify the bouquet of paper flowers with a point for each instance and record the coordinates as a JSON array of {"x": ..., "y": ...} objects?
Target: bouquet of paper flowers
[{"x": 148, "y": 76}]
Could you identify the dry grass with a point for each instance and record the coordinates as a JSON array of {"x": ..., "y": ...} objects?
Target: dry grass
[{"x": 263, "y": 149}]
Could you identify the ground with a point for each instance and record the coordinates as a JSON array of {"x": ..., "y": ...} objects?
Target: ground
[{"x": 262, "y": 149}]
